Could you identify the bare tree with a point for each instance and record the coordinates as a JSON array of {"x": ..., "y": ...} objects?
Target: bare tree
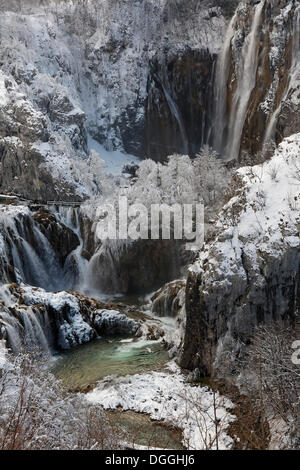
[{"x": 272, "y": 380}]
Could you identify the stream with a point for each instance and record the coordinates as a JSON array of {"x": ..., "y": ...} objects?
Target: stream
[
  {"x": 81, "y": 368},
  {"x": 84, "y": 365}
]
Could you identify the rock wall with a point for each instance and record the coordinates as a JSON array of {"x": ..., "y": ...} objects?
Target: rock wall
[
  {"x": 70, "y": 70},
  {"x": 178, "y": 108},
  {"x": 250, "y": 272}
]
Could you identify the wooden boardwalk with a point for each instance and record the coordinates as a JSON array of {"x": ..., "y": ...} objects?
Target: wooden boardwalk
[{"x": 32, "y": 202}]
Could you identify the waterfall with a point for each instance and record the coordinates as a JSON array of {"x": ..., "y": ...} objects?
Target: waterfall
[
  {"x": 38, "y": 266},
  {"x": 220, "y": 89},
  {"x": 35, "y": 328},
  {"x": 13, "y": 330},
  {"x": 245, "y": 84},
  {"x": 24, "y": 327},
  {"x": 30, "y": 248},
  {"x": 51, "y": 269},
  {"x": 296, "y": 40},
  {"x": 76, "y": 265},
  {"x": 103, "y": 273},
  {"x": 176, "y": 114},
  {"x": 271, "y": 127}
]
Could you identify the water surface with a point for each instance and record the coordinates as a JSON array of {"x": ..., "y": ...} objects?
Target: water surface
[{"x": 85, "y": 365}]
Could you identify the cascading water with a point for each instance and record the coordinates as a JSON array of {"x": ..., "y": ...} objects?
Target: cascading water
[
  {"x": 76, "y": 266},
  {"x": 271, "y": 127},
  {"x": 246, "y": 80},
  {"x": 24, "y": 327},
  {"x": 102, "y": 272},
  {"x": 228, "y": 130},
  {"x": 175, "y": 113},
  {"x": 220, "y": 89},
  {"x": 31, "y": 252},
  {"x": 296, "y": 40}
]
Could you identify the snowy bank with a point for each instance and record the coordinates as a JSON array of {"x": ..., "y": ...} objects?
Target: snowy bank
[{"x": 166, "y": 397}]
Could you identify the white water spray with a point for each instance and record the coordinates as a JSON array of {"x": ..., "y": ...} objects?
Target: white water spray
[
  {"x": 271, "y": 128},
  {"x": 245, "y": 85},
  {"x": 220, "y": 88}
]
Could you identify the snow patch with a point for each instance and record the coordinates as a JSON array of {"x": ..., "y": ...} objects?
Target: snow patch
[
  {"x": 3, "y": 91},
  {"x": 3, "y": 353},
  {"x": 265, "y": 215},
  {"x": 166, "y": 397},
  {"x": 114, "y": 160}
]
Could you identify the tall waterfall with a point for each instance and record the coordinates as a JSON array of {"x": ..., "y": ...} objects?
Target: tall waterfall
[
  {"x": 271, "y": 127},
  {"x": 296, "y": 40},
  {"x": 174, "y": 111},
  {"x": 220, "y": 88},
  {"x": 227, "y": 137},
  {"x": 245, "y": 85}
]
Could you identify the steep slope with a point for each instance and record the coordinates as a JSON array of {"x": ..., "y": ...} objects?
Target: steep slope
[
  {"x": 70, "y": 69},
  {"x": 250, "y": 272}
]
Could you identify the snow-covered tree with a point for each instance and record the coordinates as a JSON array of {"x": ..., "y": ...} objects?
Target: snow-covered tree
[
  {"x": 37, "y": 413},
  {"x": 211, "y": 175}
]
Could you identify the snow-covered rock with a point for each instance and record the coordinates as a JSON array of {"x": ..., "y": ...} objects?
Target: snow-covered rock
[
  {"x": 250, "y": 273},
  {"x": 33, "y": 318},
  {"x": 73, "y": 69},
  {"x": 112, "y": 322}
]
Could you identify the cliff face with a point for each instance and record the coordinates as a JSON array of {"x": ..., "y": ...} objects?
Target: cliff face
[
  {"x": 73, "y": 70},
  {"x": 142, "y": 77},
  {"x": 49, "y": 321},
  {"x": 250, "y": 273},
  {"x": 178, "y": 108}
]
